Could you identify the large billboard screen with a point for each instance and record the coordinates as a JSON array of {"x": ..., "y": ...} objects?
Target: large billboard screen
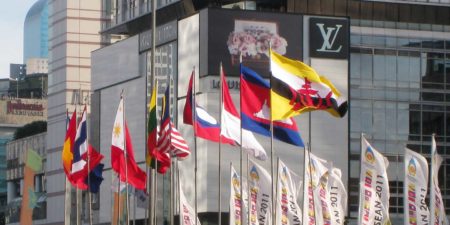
[{"x": 232, "y": 33}]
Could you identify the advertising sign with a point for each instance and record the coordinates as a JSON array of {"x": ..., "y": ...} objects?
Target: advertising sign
[{"x": 233, "y": 33}]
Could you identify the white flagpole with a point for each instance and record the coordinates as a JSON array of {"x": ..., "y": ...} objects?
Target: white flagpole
[
  {"x": 89, "y": 168},
  {"x": 126, "y": 164},
  {"x": 196, "y": 152},
  {"x": 152, "y": 202},
  {"x": 360, "y": 175},
  {"x": 241, "y": 159},
  {"x": 68, "y": 190},
  {"x": 220, "y": 149},
  {"x": 271, "y": 138},
  {"x": 78, "y": 191}
]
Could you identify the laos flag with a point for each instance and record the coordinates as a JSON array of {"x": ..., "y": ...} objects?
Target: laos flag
[
  {"x": 205, "y": 125},
  {"x": 255, "y": 111}
]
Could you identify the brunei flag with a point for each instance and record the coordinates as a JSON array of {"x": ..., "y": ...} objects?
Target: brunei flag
[
  {"x": 297, "y": 88},
  {"x": 151, "y": 128}
]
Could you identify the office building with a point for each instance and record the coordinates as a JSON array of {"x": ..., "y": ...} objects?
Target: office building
[{"x": 35, "y": 31}]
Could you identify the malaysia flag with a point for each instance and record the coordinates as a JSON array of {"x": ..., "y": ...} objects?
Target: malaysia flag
[{"x": 255, "y": 111}]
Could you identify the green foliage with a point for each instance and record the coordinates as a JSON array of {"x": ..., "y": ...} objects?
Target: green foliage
[{"x": 31, "y": 129}]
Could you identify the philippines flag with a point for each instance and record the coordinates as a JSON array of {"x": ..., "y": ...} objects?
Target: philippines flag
[
  {"x": 205, "y": 126},
  {"x": 255, "y": 109}
]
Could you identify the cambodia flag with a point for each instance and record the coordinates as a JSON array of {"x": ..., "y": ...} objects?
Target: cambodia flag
[
  {"x": 205, "y": 126},
  {"x": 255, "y": 111}
]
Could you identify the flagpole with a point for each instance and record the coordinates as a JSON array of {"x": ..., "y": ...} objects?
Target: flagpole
[
  {"x": 172, "y": 170},
  {"x": 271, "y": 136},
  {"x": 78, "y": 193},
  {"x": 126, "y": 164},
  {"x": 360, "y": 165},
  {"x": 241, "y": 158},
  {"x": 89, "y": 167},
  {"x": 311, "y": 180},
  {"x": 152, "y": 202},
  {"x": 68, "y": 190},
  {"x": 220, "y": 148},
  {"x": 196, "y": 151}
]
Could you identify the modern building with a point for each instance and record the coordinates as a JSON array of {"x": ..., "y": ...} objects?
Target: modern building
[
  {"x": 35, "y": 32},
  {"x": 394, "y": 73},
  {"x": 74, "y": 27}
]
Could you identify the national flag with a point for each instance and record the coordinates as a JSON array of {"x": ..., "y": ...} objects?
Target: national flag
[
  {"x": 206, "y": 126},
  {"x": 123, "y": 162},
  {"x": 287, "y": 209},
  {"x": 170, "y": 140},
  {"x": 67, "y": 152},
  {"x": 82, "y": 154},
  {"x": 187, "y": 213},
  {"x": 152, "y": 131},
  {"x": 260, "y": 204},
  {"x": 415, "y": 189},
  {"x": 437, "y": 207},
  {"x": 373, "y": 186},
  {"x": 255, "y": 110},
  {"x": 231, "y": 123},
  {"x": 337, "y": 197},
  {"x": 79, "y": 148},
  {"x": 95, "y": 177},
  {"x": 297, "y": 88}
]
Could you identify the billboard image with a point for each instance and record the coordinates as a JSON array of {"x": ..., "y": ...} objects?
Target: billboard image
[{"x": 235, "y": 33}]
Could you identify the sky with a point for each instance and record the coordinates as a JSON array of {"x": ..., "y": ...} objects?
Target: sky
[{"x": 12, "y": 17}]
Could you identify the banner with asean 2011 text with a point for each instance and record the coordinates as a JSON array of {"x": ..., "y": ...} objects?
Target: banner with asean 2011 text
[
  {"x": 415, "y": 189},
  {"x": 288, "y": 211},
  {"x": 236, "y": 209},
  {"x": 315, "y": 206},
  {"x": 373, "y": 187},
  {"x": 260, "y": 195}
]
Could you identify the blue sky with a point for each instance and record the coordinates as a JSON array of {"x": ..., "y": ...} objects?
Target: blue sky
[{"x": 12, "y": 16}]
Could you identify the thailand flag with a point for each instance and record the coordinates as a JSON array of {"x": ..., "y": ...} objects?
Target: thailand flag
[
  {"x": 205, "y": 126},
  {"x": 80, "y": 146},
  {"x": 255, "y": 111}
]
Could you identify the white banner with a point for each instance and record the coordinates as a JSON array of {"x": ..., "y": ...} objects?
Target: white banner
[
  {"x": 373, "y": 187},
  {"x": 187, "y": 214},
  {"x": 288, "y": 211},
  {"x": 236, "y": 211},
  {"x": 415, "y": 189},
  {"x": 337, "y": 197},
  {"x": 436, "y": 204},
  {"x": 315, "y": 190},
  {"x": 260, "y": 196}
]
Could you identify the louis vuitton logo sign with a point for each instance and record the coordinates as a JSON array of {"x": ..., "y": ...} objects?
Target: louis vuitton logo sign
[{"x": 328, "y": 38}]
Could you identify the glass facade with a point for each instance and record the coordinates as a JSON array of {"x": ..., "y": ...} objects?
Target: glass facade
[
  {"x": 399, "y": 97},
  {"x": 35, "y": 38},
  {"x": 165, "y": 74}
]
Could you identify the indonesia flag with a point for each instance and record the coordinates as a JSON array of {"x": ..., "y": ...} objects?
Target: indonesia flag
[
  {"x": 231, "y": 122},
  {"x": 255, "y": 111},
  {"x": 205, "y": 126}
]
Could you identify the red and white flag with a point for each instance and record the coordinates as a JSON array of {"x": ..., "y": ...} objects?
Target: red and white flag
[
  {"x": 231, "y": 122},
  {"x": 123, "y": 162}
]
